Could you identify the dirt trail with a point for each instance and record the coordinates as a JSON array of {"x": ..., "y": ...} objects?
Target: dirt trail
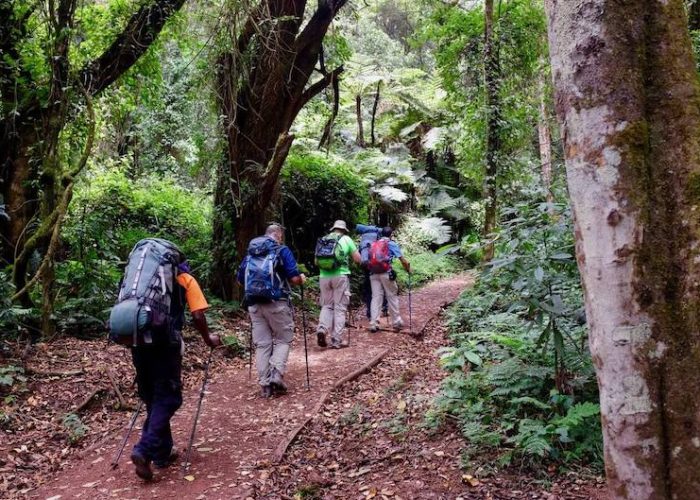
[{"x": 238, "y": 431}]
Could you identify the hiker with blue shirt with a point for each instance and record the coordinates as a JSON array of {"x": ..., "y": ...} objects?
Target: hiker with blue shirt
[
  {"x": 368, "y": 235},
  {"x": 266, "y": 273},
  {"x": 380, "y": 255}
]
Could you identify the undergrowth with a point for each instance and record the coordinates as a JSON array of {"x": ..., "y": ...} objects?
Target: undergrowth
[{"x": 521, "y": 385}]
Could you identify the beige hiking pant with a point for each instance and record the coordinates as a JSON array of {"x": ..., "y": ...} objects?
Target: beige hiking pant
[
  {"x": 335, "y": 297},
  {"x": 273, "y": 331},
  {"x": 382, "y": 285}
]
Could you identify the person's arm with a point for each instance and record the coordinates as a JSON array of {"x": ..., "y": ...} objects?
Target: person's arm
[
  {"x": 197, "y": 305},
  {"x": 395, "y": 252},
  {"x": 351, "y": 249},
  {"x": 291, "y": 271},
  {"x": 200, "y": 323}
]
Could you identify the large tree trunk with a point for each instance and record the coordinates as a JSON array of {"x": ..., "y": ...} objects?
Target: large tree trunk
[
  {"x": 492, "y": 74},
  {"x": 628, "y": 98},
  {"x": 258, "y": 111}
]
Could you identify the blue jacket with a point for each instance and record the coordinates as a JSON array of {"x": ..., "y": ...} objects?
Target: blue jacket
[{"x": 394, "y": 249}]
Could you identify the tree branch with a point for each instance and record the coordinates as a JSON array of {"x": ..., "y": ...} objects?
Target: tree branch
[
  {"x": 138, "y": 35},
  {"x": 317, "y": 87},
  {"x": 328, "y": 128}
]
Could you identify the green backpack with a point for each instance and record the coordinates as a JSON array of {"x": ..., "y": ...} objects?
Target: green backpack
[{"x": 329, "y": 253}]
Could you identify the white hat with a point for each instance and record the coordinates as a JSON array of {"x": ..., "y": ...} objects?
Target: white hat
[{"x": 340, "y": 224}]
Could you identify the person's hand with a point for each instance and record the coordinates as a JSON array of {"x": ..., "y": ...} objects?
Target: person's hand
[
  {"x": 303, "y": 278},
  {"x": 212, "y": 341}
]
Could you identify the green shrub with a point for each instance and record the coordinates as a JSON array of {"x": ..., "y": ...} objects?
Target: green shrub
[
  {"x": 108, "y": 215},
  {"x": 316, "y": 190},
  {"x": 12, "y": 316},
  {"x": 521, "y": 381},
  {"x": 75, "y": 427}
]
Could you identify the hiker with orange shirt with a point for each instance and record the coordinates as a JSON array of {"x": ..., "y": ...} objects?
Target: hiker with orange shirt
[{"x": 148, "y": 317}]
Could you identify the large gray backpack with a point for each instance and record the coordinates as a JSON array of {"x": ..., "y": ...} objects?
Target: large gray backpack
[{"x": 143, "y": 311}]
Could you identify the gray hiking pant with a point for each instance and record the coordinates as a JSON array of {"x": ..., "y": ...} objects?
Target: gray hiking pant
[
  {"x": 273, "y": 331},
  {"x": 335, "y": 297},
  {"x": 381, "y": 286}
]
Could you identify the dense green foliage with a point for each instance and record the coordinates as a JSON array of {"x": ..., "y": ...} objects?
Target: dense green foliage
[
  {"x": 107, "y": 217},
  {"x": 521, "y": 379},
  {"x": 316, "y": 190}
]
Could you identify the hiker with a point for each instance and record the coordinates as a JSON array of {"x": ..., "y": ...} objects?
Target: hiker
[
  {"x": 265, "y": 273},
  {"x": 383, "y": 277},
  {"x": 368, "y": 235},
  {"x": 332, "y": 257},
  {"x": 149, "y": 317}
]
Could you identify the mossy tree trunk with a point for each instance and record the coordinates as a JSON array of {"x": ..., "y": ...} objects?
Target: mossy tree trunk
[
  {"x": 31, "y": 175},
  {"x": 628, "y": 98},
  {"x": 263, "y": 84}
]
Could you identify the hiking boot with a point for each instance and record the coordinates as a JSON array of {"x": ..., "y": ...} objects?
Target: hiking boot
[
  {"x": 276, "y": 382},
  {"x": 321, "y": 337},
  {"x": 171, "y": 459},
  {"x": 266, "y": 392},
  {"x": 398, "y": 327},
  {"x": 373, "y": 329},
  {"x": 143, "y": 466}
]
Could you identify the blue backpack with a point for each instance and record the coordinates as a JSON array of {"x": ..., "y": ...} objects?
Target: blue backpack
[
  {"x": 366, "y": 241},
  {"x": 262, "y": 282}
]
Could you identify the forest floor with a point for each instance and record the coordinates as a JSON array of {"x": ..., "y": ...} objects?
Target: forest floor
[{"x": 350, "y": 435}]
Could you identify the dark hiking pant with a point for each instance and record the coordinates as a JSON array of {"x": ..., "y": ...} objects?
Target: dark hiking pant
[{"x": 158, "y": 370}]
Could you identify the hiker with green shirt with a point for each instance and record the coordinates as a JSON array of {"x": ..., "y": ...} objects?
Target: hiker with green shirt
[{"x": 332, "y": 257}]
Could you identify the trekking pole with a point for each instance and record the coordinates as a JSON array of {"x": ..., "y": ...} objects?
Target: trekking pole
[
  {"x": 115, "y": 462},
  {"x": 250, "y": 352},
  {"x": 306, "y": 349},
  {"x": 199, "y": 409},
  {"x": 410, "y": 312}
]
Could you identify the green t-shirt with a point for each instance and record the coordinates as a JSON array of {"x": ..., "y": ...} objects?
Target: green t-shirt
[{"x": 348, "y": 246}]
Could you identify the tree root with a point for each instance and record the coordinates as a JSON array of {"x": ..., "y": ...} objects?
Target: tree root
[
  {"x": 282, "y": 448},
  {"x": 88, "y": 400},
  {"x": 53, "y": 373}
]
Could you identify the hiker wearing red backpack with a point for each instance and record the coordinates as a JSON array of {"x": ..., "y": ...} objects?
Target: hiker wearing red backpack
[
  {"x": 148, "y": 317},
  {"x": 265, "y": 274},
  {"x": 382, "y": 276}
]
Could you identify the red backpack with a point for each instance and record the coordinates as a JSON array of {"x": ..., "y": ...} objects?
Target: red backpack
[{"x": 379, "y": 258}]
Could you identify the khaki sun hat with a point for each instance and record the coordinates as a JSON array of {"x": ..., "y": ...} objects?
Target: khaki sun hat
[{"x": 340, "y": 224}]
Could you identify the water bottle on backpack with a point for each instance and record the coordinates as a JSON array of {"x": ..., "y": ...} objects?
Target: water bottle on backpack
[{"x": 146, "y": 294}]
